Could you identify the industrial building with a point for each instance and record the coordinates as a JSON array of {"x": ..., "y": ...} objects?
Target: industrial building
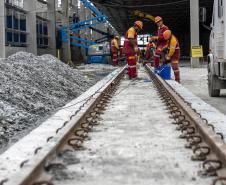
[
  {"x": 34, "y": 26},
  {"x": 112, "y": 92}
]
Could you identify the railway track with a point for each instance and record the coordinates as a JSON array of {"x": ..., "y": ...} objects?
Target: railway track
[{"x": 207, "y": 145}]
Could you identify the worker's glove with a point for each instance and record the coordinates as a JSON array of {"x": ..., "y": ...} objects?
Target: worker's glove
[
  {"x": 167, "y": 57},
  {"x": 136, "y": 49},
  {"x": 153, "y": 38}
]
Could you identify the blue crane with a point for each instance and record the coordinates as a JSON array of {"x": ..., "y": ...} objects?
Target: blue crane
[{"x": 99, "y": 18}]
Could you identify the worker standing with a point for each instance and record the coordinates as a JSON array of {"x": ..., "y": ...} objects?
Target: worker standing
[
  {"x": 115, "y": 50},
  {"x": 173, "y": 54},
  {"x": 130, "y": 48},
  {"x": 161, "y": 42}
]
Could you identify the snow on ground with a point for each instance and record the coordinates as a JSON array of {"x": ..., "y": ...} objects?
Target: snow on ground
[
  {"x": 195, "y": 79},
  {"x": 33, "y": 87},
  {"x": 135, "y": 143}
]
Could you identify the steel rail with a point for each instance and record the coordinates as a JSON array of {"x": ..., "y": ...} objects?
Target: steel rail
[
  {"x": 207, "y": 145},
  {"x": 33, "y": 170}
]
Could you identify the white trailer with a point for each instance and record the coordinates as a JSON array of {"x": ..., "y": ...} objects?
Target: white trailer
[{"x": 217, "y": 55}]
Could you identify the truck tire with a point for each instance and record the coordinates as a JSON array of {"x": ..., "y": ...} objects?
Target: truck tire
[{"x": 211, "y": 80}]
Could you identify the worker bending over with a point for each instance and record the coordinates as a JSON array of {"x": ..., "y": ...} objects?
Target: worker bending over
[
  {"x": 115, "y": 50},
  {"x": 161, "y": 42},
  {"x": 130, "y": 48},
  {"x": 150, "y": 48},
  {"x": 173, "y": 54}
]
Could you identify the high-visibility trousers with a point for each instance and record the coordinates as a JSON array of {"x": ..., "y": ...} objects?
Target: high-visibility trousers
[
  {"x": 157, "y": 55},
  {"x": 115, "y": 58},
  {"x": 175, "y": 66},
  {"x": 132, "y": 68},
  {"x": 147, "y": 55}
]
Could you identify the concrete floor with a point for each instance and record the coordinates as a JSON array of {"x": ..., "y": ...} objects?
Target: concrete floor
[
  {"x": 135, "y": 143},
  {"x": 196, "y": 81}
]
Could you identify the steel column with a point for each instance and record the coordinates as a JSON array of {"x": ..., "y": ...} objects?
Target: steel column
[
  {"x": 2, "y": 29},
  {"x": 194, "y": 21},
  {"x": 30, "y": 6},
  {"x": 65, "y": 21},
  {"x": 52, "y": 25}
]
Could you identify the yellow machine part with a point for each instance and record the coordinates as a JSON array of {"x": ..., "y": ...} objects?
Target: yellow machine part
[{"x": 144, "y": 15}]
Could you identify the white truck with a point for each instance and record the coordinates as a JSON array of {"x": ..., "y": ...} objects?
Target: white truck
[{"x": 217, "y": 55}]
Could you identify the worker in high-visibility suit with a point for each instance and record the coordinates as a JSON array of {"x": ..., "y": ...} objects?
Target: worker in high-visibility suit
[
  {"x": 115, "y": 50},
  {"x": 150, "y": 47},
  {"x": 130, "y": 48},
  {"x": 161, "y": 42},
  {"x": 173, "y": 54}
]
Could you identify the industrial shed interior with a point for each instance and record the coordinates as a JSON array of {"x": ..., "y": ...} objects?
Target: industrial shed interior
[{"x": 115, "y": 92}]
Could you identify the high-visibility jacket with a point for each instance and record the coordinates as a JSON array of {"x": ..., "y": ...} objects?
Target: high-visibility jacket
[
  {"x": 128, "y": 48},
  {"x": 148, "y": 50},
  {"x": 114, "y": 45},
  {"x": 161, "y": 30},
  {"x": 174, "y": 48}
]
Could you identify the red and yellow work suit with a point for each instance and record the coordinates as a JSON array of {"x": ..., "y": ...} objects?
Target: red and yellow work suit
[
  {"x": 114, "y": 51},
  {"x": 149, "y": 46},
  {"x": 130, "y": 53},
  {"x": 174, "y": 55},
  {"x": 161, "y": 43}
]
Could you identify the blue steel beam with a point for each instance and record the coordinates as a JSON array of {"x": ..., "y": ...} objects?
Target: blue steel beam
[
  {"x": 100, "y": 18},
  {"x": 89, "y": 5}
]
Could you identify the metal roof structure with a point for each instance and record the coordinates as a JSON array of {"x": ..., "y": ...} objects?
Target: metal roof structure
[{"x": 176, "y": 13}]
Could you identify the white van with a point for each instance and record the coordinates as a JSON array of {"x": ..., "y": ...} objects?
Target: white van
[{"x": 217, "y": 55}]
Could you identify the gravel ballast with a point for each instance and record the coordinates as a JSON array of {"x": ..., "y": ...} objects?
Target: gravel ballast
[{"x": 32, "y": 88}]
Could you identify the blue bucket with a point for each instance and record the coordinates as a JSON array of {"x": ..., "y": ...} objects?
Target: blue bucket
[{"x": 165, "y": 72}]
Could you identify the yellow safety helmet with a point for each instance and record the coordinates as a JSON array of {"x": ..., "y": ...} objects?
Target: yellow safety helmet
[
  {"x": 158, "y": 19},
  {"x": 167, "y": 34},
  {"x": 139, "y": 24}
]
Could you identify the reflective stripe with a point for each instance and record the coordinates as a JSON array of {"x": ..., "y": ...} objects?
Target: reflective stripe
[
  {"x": 176, "y": 71},
  {"x": 157, "y": 56},
  {"x": 174, "y": 47},
  {"x": 132, "y": 66},
  {"x": 132, "y": 57},
  {"x": 175, "y": 62},
  {"x": 127, "y": 40}
]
